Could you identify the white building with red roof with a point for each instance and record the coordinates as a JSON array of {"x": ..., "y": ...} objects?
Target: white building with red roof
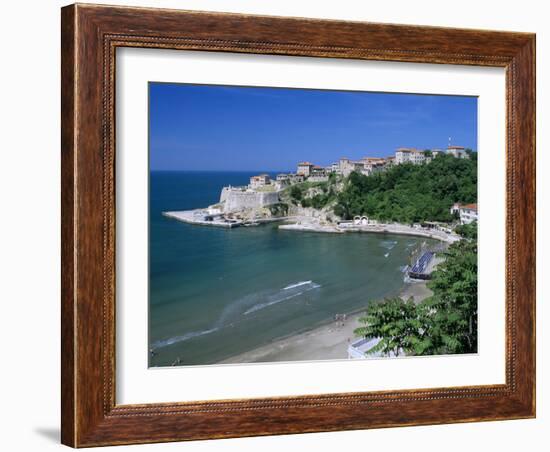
[
  {"x": 467, "y": 212},
  {"x": 304, "y": 168}
]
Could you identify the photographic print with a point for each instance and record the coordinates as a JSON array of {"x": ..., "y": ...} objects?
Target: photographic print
[{"x": 294, "y": 224}]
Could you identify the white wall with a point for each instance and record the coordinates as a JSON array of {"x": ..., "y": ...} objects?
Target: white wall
[{"x": 29, "y": 246}]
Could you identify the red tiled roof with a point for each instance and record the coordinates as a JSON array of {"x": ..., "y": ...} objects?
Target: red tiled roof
[{"x": 469, "y": 206}]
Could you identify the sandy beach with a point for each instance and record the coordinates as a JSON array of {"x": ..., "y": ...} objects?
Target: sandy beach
[{"x": 329, "y": 341}]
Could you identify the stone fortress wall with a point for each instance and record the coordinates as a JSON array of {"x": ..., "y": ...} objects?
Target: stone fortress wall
[{"x": 235, "y": 199}]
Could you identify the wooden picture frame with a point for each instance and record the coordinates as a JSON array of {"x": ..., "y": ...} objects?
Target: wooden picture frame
[{"x": 90, "y": 35}]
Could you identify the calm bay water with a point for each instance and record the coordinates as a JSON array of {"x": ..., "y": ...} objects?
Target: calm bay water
[{"x": 215, "y": 293}]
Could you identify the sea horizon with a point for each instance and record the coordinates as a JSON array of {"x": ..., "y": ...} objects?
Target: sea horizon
[{"x": 220, "y": 171}]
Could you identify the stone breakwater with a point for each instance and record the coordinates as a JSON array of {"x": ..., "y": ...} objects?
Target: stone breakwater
[
  {"x": 201, "y": 217},
  {"x": 198, "y": 217},
  {"x": 236, "y": 199}
]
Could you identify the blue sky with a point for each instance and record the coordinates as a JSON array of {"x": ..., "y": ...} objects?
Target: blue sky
[{"x": 207, "y": 127}]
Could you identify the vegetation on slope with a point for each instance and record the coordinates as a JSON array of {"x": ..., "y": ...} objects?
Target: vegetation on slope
[
  {"x": 410, "y": 193},
  {"x": 278, "y": 210},
  {"x": 446, "y": 322},
  {"x": 314, "y": 194}
]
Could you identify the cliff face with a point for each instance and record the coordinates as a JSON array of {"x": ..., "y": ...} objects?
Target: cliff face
[
  {"x": 234, "y": 200},
  {"x": 315, "y": 200},
  {"x": 324, "y": 215}
]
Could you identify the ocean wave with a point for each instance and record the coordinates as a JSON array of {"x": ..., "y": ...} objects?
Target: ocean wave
[
  {"x": 269, "y": 303},
  {"x": 295, "y": 289},
  {"x": 234, "y": 312},
  {"x": 182, "y": 338},
  {"x": 388, "y": 244},
  {"x": 298, "y": 284}
]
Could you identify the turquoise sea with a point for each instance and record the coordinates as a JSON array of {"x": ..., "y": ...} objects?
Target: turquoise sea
[{"x": 215, "y": 293}]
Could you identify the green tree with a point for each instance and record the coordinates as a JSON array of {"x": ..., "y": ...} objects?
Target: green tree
[
  {"x": 397, "y": 323},
  {"x": 451, "y": 313},
  {"x": 446, "y": 322},
  {"x": 296, "y": 193},
  {"x": 468, "y": 231},
  {"x": 410, "y": 193}
]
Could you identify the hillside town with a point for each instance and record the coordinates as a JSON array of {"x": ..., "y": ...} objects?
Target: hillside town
[
  {"x": 310, "y": 172},
  {"x": 365, "y": 165},
  {"x": 266, "y": 199}
]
